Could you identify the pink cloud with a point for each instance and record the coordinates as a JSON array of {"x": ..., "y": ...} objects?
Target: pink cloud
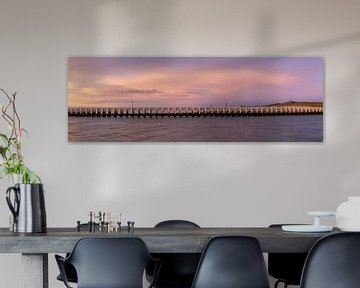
[{"x": 188, "y": 85}]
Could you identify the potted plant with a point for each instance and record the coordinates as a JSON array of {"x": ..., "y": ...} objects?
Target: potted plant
[{"x": 26, "y": 197}]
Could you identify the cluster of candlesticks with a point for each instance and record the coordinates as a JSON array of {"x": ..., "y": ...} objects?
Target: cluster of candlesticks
[{"x": 104, "y": 222}]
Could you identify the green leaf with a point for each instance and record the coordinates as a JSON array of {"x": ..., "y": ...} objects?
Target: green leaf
[
  {"x": 27, "y": 175},
  {"x": 33, "y": 178},
  {"x": 4, "y": 173},
  {"x": 4, "y": 137},
  {"x": 3, "y": 151},
  {"x": 26, "y": 132}
]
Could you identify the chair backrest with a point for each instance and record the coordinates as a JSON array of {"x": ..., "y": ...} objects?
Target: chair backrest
[
  {"x": 333, "y": 262},
  {"x": 178, "y": 269},
  {"x": 110, "y": 262},
  {"x": 232, "y": 262},
  {"x": 176, "y": 224}
]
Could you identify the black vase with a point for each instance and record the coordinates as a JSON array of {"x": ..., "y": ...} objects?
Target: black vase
[{"x": 27, "y": 207}]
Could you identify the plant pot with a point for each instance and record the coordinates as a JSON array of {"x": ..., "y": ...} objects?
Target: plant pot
[
  {"x": 27, "y": 207},
  {"x": 348, "y": 215}
]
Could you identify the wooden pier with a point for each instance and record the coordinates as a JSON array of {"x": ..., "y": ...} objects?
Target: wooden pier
[{"x": 210, "y": 111}]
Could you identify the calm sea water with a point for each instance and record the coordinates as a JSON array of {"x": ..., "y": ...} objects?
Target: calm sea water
[{"x": 301, "y": 128}]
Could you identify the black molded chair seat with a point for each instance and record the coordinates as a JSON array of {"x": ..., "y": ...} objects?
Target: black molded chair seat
[
  {"x": 286, "y": 267},
  {"x": 333, "y": 262},
  {"x": 178, "y": 269},
  {"x": 108, "y": 263},
  {"x": 232, "y": 262}
]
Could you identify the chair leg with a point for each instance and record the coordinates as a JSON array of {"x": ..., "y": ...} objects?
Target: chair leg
[{"x": 278, "y": 282}]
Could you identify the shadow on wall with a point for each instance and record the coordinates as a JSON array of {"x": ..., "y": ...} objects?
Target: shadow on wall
[
  {"x": 264, "y": 40},
  {"x": 325, "y": 43},
  {"x": 264, "y": 34},
  {"x": 147, "y": 26},
  {"x": 339, "y": 85}
]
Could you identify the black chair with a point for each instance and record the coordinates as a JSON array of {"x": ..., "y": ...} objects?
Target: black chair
[
  {"x": 286, "y": 267},
  {"x": 176, "y": 224},
  {"x": 108, "y": 263},
  {"x": 232, "y": 262},
  {"x": 69, "y": 269},
  {"x": 333, "y": 262},
  {"x": 178, "y": 269}
]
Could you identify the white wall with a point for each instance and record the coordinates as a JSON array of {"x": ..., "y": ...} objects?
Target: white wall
[{"x": 213, "y": 184}]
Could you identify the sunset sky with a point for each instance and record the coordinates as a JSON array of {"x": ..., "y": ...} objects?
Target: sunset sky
[{"x": 193, "y": 81}]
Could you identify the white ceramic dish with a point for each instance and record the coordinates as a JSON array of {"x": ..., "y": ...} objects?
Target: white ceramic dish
[
  {"x": 350, "y": 229},
  {"x": 306, "y": 228},
  {"x": 321, "y": 213}
]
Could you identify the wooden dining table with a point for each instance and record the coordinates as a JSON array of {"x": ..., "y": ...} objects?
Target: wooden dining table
[{"x": 35, "y": 247}]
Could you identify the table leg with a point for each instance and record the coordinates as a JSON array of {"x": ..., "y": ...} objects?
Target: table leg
[{"x": 35, "y": 270}]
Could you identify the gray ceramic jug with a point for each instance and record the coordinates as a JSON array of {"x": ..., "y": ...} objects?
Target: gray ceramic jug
[{"x": 28, "y": 208}]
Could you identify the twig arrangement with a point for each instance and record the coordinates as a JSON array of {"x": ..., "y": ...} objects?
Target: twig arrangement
[{"x": 11, "y": 158}]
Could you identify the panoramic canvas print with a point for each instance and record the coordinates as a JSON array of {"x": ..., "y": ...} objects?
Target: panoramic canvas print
[{"x": 195, "y": 99}]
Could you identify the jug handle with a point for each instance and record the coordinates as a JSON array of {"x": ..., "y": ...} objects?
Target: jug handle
[{"x": 13, "y": 208}]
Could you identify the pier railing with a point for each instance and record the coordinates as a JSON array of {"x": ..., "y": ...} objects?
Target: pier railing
[{"x": 210, "y": 111}]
